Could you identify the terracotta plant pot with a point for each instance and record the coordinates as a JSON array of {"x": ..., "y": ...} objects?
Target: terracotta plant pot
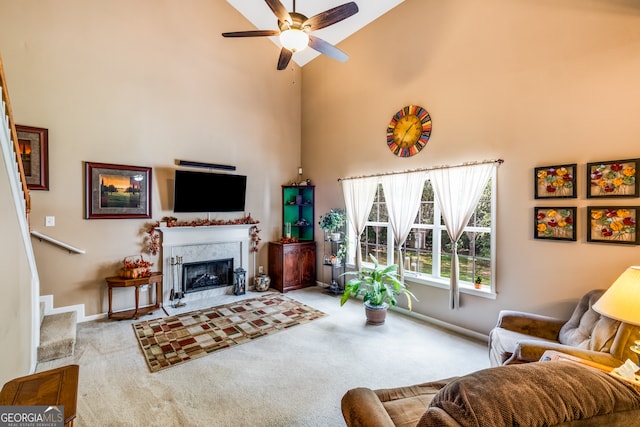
[{"x": 376, "y": 314}]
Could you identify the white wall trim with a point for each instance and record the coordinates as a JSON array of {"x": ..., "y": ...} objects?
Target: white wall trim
[
  {"x": 446, "y": 325},
  {"x": 78, "y": 308}
]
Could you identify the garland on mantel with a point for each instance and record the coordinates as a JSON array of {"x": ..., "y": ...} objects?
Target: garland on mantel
[{"x": 152, "y": 238}]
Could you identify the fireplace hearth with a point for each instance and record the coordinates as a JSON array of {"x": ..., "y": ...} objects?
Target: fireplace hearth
[{"x": 203, "y": 275}]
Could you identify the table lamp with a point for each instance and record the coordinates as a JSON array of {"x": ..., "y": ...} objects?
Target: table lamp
[{"x": 622, "y": 301}]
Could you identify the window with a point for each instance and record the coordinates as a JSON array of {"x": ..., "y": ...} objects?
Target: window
[{"x": 427, "y": 251}]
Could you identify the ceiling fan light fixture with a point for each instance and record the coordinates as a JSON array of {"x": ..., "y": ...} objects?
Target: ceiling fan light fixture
[
  {"x": 294, "y": 30},
  {"x": 294, "y": 40}
]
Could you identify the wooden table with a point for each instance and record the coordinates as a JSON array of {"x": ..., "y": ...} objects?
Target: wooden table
[
  {"x": 49, "y": 388},
  {"x": 119, "y": 282}
]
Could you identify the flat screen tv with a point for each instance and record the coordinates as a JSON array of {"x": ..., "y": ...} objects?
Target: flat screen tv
[{"x": 208, "y": 192}]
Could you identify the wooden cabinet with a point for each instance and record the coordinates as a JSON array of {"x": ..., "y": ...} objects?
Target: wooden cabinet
[{"x": 292, "y": 265}]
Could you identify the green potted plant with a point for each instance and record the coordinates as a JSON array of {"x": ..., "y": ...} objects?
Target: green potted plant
[
  {"x": 332, "y": 222},
  {"x": 379, "y": 286},
  {"x": 343, "y": 249},
  {"x": 478, "y": 282}
]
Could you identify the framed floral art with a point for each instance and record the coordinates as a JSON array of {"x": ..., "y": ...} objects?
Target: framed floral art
[
  {"x": 612, "y": 224},
  {"x": 555, "y": 182},
  {"x": 618, "y": 178},
  {"x": 555, "y": 223}
]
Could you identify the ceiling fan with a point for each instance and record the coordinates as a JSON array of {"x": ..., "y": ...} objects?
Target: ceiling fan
[{"x": 295, "y": 28}]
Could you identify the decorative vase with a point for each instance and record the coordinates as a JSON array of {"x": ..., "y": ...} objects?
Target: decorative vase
[
  {"x": 261, "y": 282},
  {"x": 376, "y": 314},
  {"x": 335, "y": 237}
]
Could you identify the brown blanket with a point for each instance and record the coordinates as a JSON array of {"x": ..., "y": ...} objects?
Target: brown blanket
[{"x": 534, "y": 394}]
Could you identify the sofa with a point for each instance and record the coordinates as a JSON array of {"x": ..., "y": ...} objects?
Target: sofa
[
  {"x": 555, "y": 393},
  {"x": 521, "y": 337}
]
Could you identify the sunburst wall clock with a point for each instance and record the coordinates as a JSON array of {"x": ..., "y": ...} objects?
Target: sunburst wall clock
[{"x": 409, "y": 131}]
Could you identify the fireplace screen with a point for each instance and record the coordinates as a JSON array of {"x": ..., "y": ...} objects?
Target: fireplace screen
[{"x": 199, "y": 276}]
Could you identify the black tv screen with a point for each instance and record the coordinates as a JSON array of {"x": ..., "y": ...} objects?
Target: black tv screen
[{"x": 208, "y": 192}]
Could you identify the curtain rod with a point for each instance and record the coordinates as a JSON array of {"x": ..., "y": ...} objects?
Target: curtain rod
[{"x": 498, "y": 161}]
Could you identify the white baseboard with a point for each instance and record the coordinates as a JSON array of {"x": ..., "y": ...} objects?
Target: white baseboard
[
  {"x": 442, "y": 324},
  {"x": 445, "y": 325},
  {"x": 78, "y": 308}
]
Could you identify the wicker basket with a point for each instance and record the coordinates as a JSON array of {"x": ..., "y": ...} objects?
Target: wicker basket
[{"x": 134, "y": 267}]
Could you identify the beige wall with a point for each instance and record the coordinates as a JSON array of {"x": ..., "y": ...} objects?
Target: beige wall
[
  {"x": 148, "y": 82},
  {"x": 143, "y": 83},
  {"x": 18, "y": 285},
  {"x": 535, "y": 83}
]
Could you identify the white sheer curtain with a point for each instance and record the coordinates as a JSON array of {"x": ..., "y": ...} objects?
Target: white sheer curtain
[
  {"x": 402, "y": 194},
  {"x": 358, "y": 199},
  {"x": 457, "y": 191}
]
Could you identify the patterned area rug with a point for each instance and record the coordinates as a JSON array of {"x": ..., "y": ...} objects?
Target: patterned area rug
[{"x": 173, "y": 340}]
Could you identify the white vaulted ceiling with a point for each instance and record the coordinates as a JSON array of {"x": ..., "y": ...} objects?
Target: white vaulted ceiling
[{"x": 262, "y": 18}]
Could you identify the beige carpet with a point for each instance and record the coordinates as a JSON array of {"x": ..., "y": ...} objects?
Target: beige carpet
[
  {"x": 293, "y": 378},
  {"x": 173, "y": 340}
]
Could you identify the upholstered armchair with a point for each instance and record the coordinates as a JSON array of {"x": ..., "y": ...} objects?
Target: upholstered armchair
[{"x": 523, "y": 337}]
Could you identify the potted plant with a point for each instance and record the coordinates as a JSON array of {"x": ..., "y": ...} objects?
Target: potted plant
[
  {"x": 478, "y": 282},
  {"x": 333, "y": 221},
  {"x": 379, "y": 286},
  {"x": 343, "y": 249}
]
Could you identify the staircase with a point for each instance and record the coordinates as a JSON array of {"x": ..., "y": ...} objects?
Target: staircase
[
  {"x": 57, "y": 335},
  {"x": 10, "y": 126},
  {"x": 57, "y": 332}
]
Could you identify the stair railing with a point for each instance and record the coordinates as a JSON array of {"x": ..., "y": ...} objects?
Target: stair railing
[
  {"x": 14, "y": 138},
  {"x": 56, "y": 242}
]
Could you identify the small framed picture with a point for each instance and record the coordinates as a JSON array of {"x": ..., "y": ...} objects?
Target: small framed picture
[
  {"x": 618, "y": 178},
  {"x": 117, "y": 191},
  {"x": 555, "y": 182},
  {"x": 33, "y": 144},
  {"x": 612, "y": 224},
  {"x": 555, "y": 223}
]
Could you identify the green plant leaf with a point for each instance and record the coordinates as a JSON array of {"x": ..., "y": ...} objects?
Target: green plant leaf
[{"x": 378, "y": 285}]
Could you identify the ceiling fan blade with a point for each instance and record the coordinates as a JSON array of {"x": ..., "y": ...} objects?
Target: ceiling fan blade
[
  {"x": 327, "y": 48},
  {"x": 253, "y": 33},
  {"x": 331, "y": 16},
  {"x": 285, "y": 57},
  {"x": 279, "y": 10}
]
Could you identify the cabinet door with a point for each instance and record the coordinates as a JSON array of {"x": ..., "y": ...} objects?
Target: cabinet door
[
  {"x": 308, "y": 265},
  {"x": 291, "y": 270}
]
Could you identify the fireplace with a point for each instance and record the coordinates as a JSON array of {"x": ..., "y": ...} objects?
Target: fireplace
[
  {"x": 186, "y": 245},
  {"x": 203, "y": 275}
]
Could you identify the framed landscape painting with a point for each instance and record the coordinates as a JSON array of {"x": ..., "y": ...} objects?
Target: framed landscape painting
[
  {"x": 117, "y": 191},
  {"x": 617, "y": 178},
  {"x": 612, "y": 224},
  {"x": 33, "y": 144},
  {"x": 555, "y": 182},
  {"x": 555, "y": 223}
]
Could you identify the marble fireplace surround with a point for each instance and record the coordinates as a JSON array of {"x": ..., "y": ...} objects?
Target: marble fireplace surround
[{"x": 203, "y": 243}]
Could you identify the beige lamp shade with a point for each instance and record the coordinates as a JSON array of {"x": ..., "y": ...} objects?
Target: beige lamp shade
[{"x": 622, "y": 300}]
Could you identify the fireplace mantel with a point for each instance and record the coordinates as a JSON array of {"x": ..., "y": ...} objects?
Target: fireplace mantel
[
  {"x": 204, "y": 234},
  {"x": 200, "y": 243}
]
